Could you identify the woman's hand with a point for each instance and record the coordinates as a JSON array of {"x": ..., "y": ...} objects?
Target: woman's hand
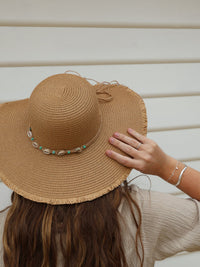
[{"x": 143, "y": 154}]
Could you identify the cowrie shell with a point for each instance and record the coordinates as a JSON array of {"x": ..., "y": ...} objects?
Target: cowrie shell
[
  {"x": 78, "y": 149},
  {"x": 61, "y": 152},
  {"x": 35, "y": 144},
  {"x": 46, "y": 151},
  {"x": 29, "y": 133}
]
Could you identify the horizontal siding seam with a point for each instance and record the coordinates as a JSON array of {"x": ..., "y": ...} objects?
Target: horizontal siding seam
[
  {"x": 100, "y": 25},
  {"x": 92, "y": 63}
]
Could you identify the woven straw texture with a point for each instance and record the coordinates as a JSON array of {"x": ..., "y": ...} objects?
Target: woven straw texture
[{"x": 65, "y": 115}]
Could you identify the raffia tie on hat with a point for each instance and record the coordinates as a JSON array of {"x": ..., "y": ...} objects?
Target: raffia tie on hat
[{"x": 103, "y": 96}]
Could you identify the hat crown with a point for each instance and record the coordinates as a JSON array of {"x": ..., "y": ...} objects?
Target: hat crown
[{"x": 64, "y": 112}]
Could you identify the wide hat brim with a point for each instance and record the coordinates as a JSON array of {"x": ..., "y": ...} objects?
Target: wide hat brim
[{"x": 71, "y": 178}]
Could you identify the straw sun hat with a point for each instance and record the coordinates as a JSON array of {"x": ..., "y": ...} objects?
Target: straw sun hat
[{"x": 52, "y": 145}]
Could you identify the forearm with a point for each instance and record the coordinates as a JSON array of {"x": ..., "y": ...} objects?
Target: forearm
[
  {"x": 149, "y": 158},
  {"x": 190, "y": 182}
]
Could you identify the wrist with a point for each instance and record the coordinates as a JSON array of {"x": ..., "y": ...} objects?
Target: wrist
[
  {"x": 168, "y": 167},
  {"x": 171, "y": 170}
]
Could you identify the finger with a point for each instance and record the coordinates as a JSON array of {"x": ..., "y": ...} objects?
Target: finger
[
  {"x": 125, "y": 161},
  {"x": 128, "y": 140},
  {"x": 139, "y": 136},
  {"x": 123, "y": 147}
]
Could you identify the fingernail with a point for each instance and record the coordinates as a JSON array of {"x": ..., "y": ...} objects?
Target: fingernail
[
  {"x": 130, "y": 130},
  {"x": 108, "y": 152},
  {"x": 112, "y": 139},
  {"x": 116, "y": 134}
]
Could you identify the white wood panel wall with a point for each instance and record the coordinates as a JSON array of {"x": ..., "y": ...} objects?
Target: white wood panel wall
[
  {"x": 150, "y": 46},
  {"x": 90, "y": 13}
]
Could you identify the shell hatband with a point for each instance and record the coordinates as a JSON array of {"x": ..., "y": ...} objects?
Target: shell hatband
[{"x": 62, "y": 152}]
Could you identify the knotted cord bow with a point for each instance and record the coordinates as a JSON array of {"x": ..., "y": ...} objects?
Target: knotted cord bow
[
  {"x": 102, "y": 91},
  {"x": 101, "y": 88}
]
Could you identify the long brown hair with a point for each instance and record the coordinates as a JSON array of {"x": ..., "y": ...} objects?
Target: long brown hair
[{"x": 89, "y": 232}]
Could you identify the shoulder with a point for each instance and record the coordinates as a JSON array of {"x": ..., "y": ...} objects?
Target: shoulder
[
  {"x": 165, "y": 207},
  {"x": 155, "y": 203}
]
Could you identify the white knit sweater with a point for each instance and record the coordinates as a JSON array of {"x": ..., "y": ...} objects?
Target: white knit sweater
[{"x": 169, "y": 225}]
